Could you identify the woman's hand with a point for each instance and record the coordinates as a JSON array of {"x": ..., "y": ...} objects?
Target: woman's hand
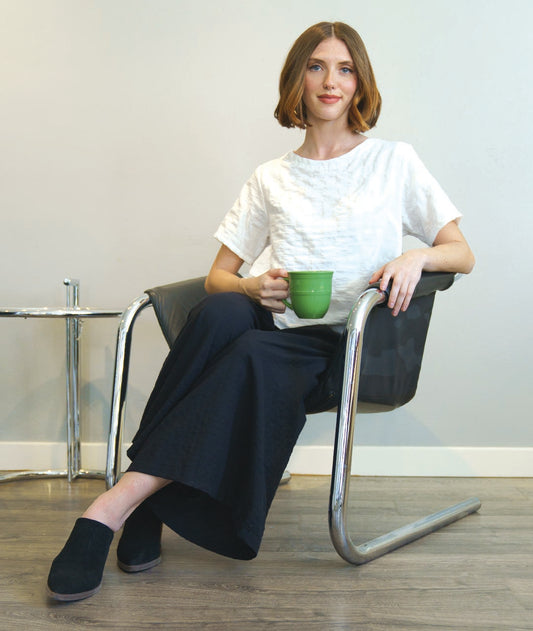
[
  {"x": 404, "y": 272},
  {"x": 269, "y": 289},
  {"x": 450, "y": 253}
]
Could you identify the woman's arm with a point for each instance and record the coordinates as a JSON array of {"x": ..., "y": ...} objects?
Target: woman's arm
[
  {"x": 268, "y": 290},
  {"x": 450, "y": 253}
]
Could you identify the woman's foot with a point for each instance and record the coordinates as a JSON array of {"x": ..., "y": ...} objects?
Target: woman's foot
[
  {"x": 139, "y": 547},
  {"x": 76, "y": 572}
]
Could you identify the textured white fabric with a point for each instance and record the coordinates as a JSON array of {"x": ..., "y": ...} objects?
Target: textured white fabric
[{"x": 348, "y": 214}]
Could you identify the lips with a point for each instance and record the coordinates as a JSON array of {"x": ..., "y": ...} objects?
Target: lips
[{"x": 329, "y": 98}]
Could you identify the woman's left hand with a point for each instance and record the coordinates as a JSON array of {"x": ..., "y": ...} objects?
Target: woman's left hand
[
  {"x": 450, "y": 253},
  {"x": 404, "y": 272}
]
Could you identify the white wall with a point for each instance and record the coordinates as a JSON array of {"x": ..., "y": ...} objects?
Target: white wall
[{"x": 128, "y": 126}]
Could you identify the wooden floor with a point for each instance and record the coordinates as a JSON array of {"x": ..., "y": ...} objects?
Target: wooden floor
[{"x": 474, "y": 574}]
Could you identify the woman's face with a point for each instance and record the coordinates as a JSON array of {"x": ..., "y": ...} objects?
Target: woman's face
[{"x": 330, "y": 82}]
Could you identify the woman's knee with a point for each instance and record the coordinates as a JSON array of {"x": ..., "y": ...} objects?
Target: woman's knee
[
  {"x": 229, "y": 310},
  {"x": 253, "y": 343}
]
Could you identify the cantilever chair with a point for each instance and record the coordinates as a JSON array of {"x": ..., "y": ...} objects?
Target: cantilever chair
[{"x": 378, "y": 376}]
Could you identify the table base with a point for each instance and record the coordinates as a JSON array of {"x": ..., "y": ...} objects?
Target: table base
[{"x": 11, "y": 476}]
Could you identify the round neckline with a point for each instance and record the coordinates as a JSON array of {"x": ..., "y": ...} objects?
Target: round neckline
[{"x": 329, "y": 161}]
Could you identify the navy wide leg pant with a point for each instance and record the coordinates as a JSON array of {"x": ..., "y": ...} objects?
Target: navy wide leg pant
[{"x": 223, "y": 419}]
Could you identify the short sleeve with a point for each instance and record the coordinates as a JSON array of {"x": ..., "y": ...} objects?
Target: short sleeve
[
  {"x": 426, "y": 207},
  {"x": 245, "y": 228}
]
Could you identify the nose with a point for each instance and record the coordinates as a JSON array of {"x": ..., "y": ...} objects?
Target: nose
[{"x": 329, "y": 83}]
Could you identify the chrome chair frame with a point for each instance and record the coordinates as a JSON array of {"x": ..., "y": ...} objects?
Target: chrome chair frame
[
  {"x": 342, "y": 461},
  {"x": 120, "y": 384},
  {"x": 346, "y": 417}
]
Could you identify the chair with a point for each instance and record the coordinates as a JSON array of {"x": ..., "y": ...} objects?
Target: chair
[{"x": 380, "y": 375}]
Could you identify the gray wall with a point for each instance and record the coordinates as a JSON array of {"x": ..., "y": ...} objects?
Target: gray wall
[{"x": 127, "y": 128}]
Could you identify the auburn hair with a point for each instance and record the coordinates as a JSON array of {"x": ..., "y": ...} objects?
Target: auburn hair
[{"x": 366, "y": 104}]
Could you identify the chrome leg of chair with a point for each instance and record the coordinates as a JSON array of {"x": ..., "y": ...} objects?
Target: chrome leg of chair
[
  {"x": 342, "y": 462},
  {"x": 285, "y": 478},
  {"x": 120, "y": 384}
]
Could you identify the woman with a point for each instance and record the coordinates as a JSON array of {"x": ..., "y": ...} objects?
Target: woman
[{"x": 232, "y": 395}]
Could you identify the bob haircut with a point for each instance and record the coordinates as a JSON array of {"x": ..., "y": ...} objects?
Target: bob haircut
[{"x": 366, "y": 104}]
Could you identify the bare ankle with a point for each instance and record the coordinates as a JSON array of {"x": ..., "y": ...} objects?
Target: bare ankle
[
  {"x": 104, "y": 512},
  {"x": 113, "y": 507}
]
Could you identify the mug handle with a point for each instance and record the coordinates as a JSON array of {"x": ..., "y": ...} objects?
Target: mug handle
[{"x": 286, "y": 302}]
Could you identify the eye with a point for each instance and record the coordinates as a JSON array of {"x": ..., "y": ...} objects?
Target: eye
[
  {"x": 346, "y": 70},
  {"x": 314, "y": 68}
]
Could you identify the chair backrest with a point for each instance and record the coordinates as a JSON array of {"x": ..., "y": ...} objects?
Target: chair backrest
[
  {"x": 392, "y": 353},
  {"x": 172, "y": 304},
  {"x": 394, "y": 346},
  {"x": 392, "y": 350}
]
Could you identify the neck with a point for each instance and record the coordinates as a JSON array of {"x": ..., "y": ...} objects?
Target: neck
[{"x": 323, "y": 142}]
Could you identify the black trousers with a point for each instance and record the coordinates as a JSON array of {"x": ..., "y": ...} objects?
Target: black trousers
[{"x": 224, "y": 416}]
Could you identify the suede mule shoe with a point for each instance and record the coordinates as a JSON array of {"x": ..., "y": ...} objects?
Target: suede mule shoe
[
  {"x": 76, "y": 572},
  {"x": 139, "y": 547}
]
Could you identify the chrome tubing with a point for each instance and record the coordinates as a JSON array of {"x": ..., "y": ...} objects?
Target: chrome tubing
[
  {"x": 342, "y": 462},
  {"x": 72, "y": 313},
  {"x": 31, "y": 475},
  {"x": 73, "y": 380},
  {"x": 120, "y": 384},
  {"x": 57, "y": 312}
]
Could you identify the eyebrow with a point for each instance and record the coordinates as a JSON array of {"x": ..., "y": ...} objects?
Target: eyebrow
[{"x": 341, "y": 63}]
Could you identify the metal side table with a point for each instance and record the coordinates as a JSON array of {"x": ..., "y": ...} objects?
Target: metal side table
[{"x": 72, "y": 313}]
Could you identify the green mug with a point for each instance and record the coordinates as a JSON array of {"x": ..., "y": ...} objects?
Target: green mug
[{"x": 310, "y": 293}]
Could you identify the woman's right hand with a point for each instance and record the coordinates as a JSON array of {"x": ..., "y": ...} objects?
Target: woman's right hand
[{"x": 268, "y": 290}]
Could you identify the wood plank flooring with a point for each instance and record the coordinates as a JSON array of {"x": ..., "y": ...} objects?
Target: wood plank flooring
[{"x": 476, "y": 574}]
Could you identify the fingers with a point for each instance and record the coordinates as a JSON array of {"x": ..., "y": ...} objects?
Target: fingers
[
  {"x": 384, "y": 282},
  {"x": 270, "y": 289},
  {"x": 274, "y": 289},
  {"x": 400, "y": 295},
  {"x": 402, "y": 275},
  {"x": 276, "y": 306},
  {"x": 274, "y": 285},
  {"x": 376, "y": 276},
  {"x": 383, "y": 276}
]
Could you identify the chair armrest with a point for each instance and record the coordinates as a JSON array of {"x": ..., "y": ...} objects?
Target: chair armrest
[
  {"x": 172, "y": 304},
  {"x": 429, "y": 283}
]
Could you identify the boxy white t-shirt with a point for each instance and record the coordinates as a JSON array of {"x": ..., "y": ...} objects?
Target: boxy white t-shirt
[{"x": 347, "y": 214}]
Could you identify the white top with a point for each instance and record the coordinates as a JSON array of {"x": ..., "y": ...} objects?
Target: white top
[{"x": 348, "y": 214}]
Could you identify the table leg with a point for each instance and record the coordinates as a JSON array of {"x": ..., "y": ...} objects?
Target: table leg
[{"x": 73, "y": 383}]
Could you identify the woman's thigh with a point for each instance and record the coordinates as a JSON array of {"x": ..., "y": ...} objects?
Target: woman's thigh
[
  {"x": 212, "y": 326},
  {"x": 290, "y": 361}
]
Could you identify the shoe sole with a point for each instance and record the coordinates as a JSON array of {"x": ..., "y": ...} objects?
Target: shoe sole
[
  {"x": 72, "y": 597},
  {"x": 140, "y": 567}
]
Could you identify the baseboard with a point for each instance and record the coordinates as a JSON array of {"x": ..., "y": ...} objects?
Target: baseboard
[
  {"x": 317, "y": 460},
  {"x": 43, "y": 456},
  {"x": 511, "y": 462}
]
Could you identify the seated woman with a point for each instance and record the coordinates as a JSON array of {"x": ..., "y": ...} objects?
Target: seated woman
[{"x": 230, "y": 401}]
